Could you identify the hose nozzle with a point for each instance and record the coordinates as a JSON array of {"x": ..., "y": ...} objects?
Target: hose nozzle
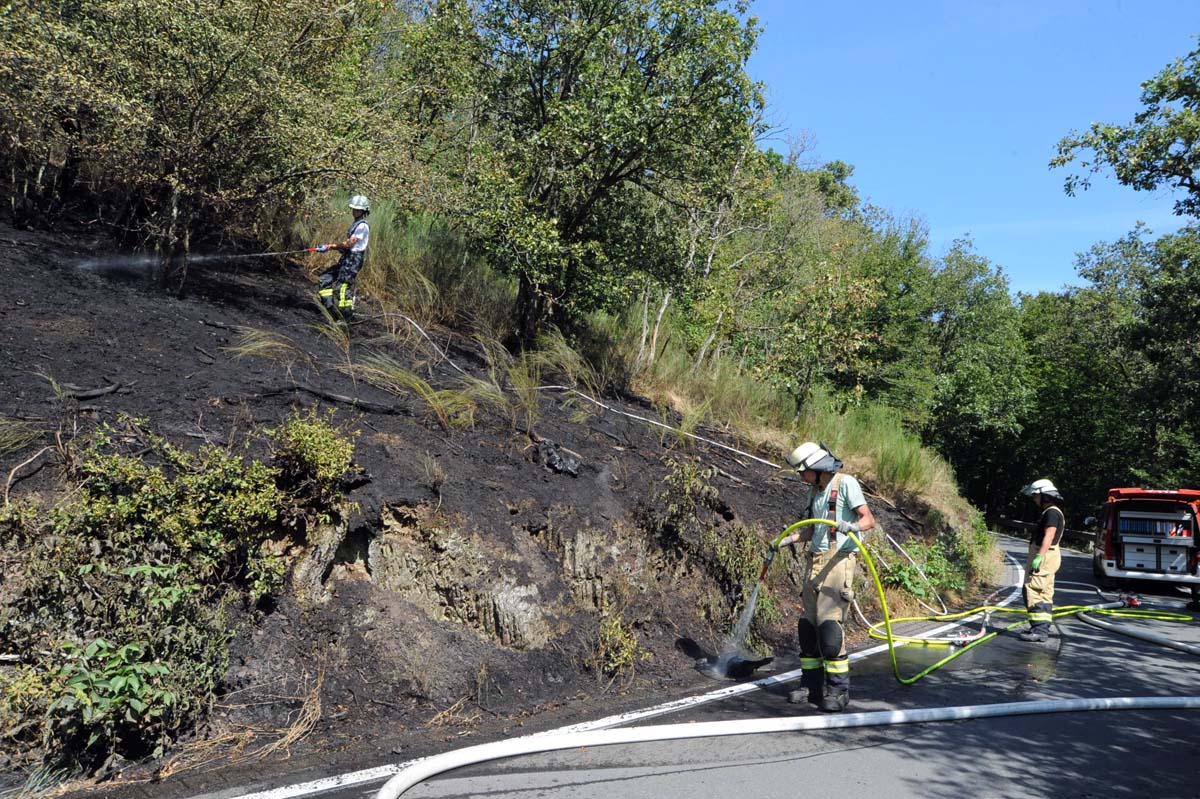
[{"x": 762, "y": 575}]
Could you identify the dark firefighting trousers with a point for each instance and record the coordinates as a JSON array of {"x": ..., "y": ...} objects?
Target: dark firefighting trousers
[{"x": 335, "y": 285}]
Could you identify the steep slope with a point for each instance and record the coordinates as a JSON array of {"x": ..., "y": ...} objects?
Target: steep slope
[{"x": 467, "y": 592}]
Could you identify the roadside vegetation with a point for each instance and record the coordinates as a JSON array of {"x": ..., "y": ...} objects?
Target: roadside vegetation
[
  {"x": 613, "y": 186},
  {"x": 581, "y": 194}
]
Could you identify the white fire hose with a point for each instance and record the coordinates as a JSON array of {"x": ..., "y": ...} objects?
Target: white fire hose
[{"x": 422, "y": 770}]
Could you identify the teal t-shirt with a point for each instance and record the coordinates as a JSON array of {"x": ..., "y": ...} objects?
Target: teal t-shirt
[{"x": 850, "y": 496}]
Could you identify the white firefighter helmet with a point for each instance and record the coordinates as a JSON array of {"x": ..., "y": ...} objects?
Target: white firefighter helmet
[
  {"x": 360, "y": 203},
  {"x": 1042, "y": 486},
  {"x": 811, "y": 455}
]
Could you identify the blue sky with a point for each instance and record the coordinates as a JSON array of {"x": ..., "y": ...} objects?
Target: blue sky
[{"x": 950, "y": 110}]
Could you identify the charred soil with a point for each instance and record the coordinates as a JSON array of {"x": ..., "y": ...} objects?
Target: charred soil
[{"x": 463, "y": 601}]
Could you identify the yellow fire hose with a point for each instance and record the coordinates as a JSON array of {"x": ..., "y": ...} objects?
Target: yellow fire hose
[{"x": 1113, "y": 609}]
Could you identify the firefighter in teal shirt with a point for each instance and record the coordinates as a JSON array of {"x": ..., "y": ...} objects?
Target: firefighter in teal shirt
[{"x": 828, "y": 562}]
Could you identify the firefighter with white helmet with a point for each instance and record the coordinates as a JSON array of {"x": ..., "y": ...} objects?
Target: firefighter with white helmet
[
  {"x": 828, "y": 562},
  {"x": 1044, "y": 559},
  {"x": 335, "y": 285}
]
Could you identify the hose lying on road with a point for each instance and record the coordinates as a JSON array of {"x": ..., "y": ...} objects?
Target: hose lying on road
[
  {"x": 424, "y": 769},
  {"x": 1123, "y": 629}
]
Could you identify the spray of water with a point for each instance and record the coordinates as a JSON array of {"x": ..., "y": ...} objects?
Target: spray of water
[
  {"x": 742, "y": 628},
  {"x": 203, "y": 259},
  {"x": 151, "y": 263},
  {"x": 731, "y": 663},
  {"x": 122, "y": 263}
]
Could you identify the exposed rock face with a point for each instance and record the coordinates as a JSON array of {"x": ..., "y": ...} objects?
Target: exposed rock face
[
  {"x": 313, "y": 566},
  {"x": 452, "y": 574}
]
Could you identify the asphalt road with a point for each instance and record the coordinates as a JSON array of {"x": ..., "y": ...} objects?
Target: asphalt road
[{"x": 1086, "y": 754}]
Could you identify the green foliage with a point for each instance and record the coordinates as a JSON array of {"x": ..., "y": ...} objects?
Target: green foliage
[
  {"x": 823, "y": 330},
  {"x": 1114, "y": 373},
  {"x": 109, "y": 693},
  {"x": 1165, "y": 334},
  {"x": 690, "y": 521},
  {"x": 974, "y": 547},
  {"x": 981, "y": 392},
  {"x": 178, "y": 115},
  {"x": 735, "y": 557},
  {"x": 597, "y": 112},
  {"x": 680, "y": 517},
  {"x": 1160, "y": 148},
  {"x": 940, "y": 573},
  {"x": 954, "y": 559},
  {"x": 205, "y": 504},
  {"x": 122, "y": 594},
  {"x": 1083, "y": 373},
  {"x": 312, "y": 455},
  {"x": 431, "y": 269},
  {"x": 617, "y": 648}
]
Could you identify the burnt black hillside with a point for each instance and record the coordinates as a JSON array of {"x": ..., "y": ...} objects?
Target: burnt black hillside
[{"x": 466, "y": 592}]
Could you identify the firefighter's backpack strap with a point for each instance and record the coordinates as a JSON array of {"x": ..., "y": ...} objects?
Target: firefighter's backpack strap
[{"x": 833, "y": 498}]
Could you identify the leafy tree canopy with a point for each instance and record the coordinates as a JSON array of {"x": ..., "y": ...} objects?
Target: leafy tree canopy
[
  {"x": 589, "y": 101},
  {"x": 1160, "y": 148}
]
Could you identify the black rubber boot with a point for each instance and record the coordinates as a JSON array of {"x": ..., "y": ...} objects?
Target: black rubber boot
[
  {"x": 836, "y": 695},
  {"x": 1038, "y": 631},
  {"x": 834, "y": 702},
  {"x": 812, "y": 686},
  {"x": 812, "y": 667}
]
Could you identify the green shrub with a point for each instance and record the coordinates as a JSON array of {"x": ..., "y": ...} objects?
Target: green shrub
[
  {"x": 735, "y": 559},
  {"x": 311, "y": 457},
  {"x": 690, "y": 520},
  {"x": 941, "y": 573},
  {"x": 973, "y": 548},
  {"x": 617, "y": 649},
  {"x": 107, "y": 693},
  {"x": 120, "y": 594},
  {"x": 680, "y": 515}
]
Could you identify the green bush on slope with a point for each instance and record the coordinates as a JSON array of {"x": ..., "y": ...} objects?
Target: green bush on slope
[{"x": 125, "y": 598}]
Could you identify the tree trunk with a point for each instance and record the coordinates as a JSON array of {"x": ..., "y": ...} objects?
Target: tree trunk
[
  {"x": 658, "y": 326},
  {"x": 711, "y": 338},
  {"x": 641, "y": 356},
  {"x": 531, "y": 312}
]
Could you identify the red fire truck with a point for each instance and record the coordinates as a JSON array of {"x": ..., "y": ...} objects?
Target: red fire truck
[{"x": 1148, "y": 534}]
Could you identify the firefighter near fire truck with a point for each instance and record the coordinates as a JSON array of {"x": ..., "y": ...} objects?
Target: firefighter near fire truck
[
  {"x": 828, "y": 558},
  {"x": 1043, "y": 560}
]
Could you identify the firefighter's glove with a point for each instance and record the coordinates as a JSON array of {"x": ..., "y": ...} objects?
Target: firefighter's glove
[
  {"x": 844, "y": 527},
  {"x": 1037, "y": 563},
  {"x": 322, "y": 248}
]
